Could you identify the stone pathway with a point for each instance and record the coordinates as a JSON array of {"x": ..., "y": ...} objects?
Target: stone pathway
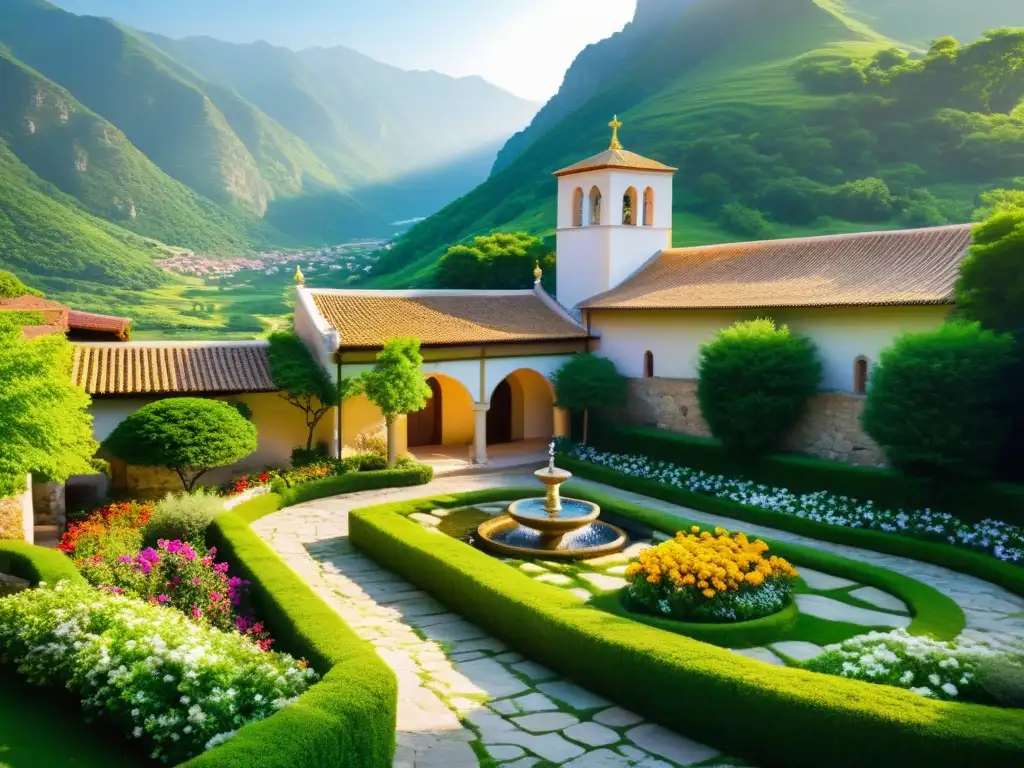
[{"x": 462, "y": 693}]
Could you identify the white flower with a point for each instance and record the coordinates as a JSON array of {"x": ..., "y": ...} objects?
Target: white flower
[
  {"x": 934, "y": 679},
  {"x": 949, "y": 689},
  {"x": 137, "y": 732}
]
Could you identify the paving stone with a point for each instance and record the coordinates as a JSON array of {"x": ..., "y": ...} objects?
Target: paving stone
[
  {"x": 880, "y": 599},
  {"x": 526, "y": 762},
  {"x": 467, "y": 656},
  {"x": 502, "y": 752},
  {"x": 798, "y": 650},
  {"x": 616, "y": 570},
  {"x": 823, "y": 581},
  {"x": 617, "y": 717},
  {"x": 632, "y": 752},
  {"x": 421, "y": 622},
  {"x": 556, "y": 579},
  {"x": 601, "y": 562},
  {"x": 760, "y": 654},
  {"x": 448, "y": 754},
  {"x": 464, "y": 705},
  {"x": 425, "y": 519},
  {"x": 418, "y": 607},
  {"x": 533, "y": 671},
  {"x": 509, "y": 658},
  {"x": 601, "y": 758},
  {"x": 833, "y": 610},
  {"x": 661, "y": 742},
  {"x": 534, "y": 702},
  {"x": 479, "y": 644},
  {"x": 592, "y": 734},
  {"x": 603, "y": 582},
  {"x": 573, "y": 695},
  {"x": 492, "y": 678},
  {"x": 581, "y": 593},
  {"x": 454, "y": 630},
  {"x": 532, "y": 568},
  {"x": 504, "y": 707},
  {"x": 545, "y": 722},
  {"x": 553, "y": 747}
]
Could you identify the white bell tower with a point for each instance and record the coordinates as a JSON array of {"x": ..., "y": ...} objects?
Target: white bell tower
[{"x": 614, "y": 214}]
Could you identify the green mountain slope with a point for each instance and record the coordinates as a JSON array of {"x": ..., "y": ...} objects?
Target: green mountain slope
[
  {"x": 89, "y": 159},
  {"x": 921, "y": 21},
  {"x": 725, "y": 94}
]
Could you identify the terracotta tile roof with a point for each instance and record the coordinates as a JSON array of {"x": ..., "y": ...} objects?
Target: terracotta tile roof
[
  {"x": 872, "y": 269},
  {"x": 616, "y": 158},
  {"x": 172, "y": 369},
  {"x": 367, "y": 319},
  {"x": 88, "y": 321}
]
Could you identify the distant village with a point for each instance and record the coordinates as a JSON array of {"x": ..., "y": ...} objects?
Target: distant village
[{"x": 356, "y": 258}]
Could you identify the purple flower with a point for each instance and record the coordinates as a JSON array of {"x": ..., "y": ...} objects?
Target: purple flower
[
  {"x": 162, "y": 599},
  {"x": 149, "y": 555},
  {"x": 215, "y": 597},
  {"x": 124, "y": 559},
  {"x": 196, "y": 581}
]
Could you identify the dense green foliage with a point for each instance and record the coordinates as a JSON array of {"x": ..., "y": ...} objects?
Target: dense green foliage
[
  {"x": 348, "y": 718},
  {"x": 187, "y": 435},
  {"x": 497, "y": 261},
  {"x": 936, "y": 401},
  {"x": 12, "y": 288},
  {"x": 587, "y": 381},
  {"x": 398, "y": 477},
  {"x": 754, "y": 381},
  {"x": 36, "y": 564},
  {"x": 788, "y": 716},
  {"x": 182, "y": 517},
  {"x": 44, "y": 425},
  {"x": 741, "y": 97},
  {"x": 396, "y": 385}
]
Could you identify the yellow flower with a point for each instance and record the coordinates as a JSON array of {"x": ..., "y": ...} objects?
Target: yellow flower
[{"x": 708, "y": 593}]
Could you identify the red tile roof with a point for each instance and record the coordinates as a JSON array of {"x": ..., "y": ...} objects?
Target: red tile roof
[
  {"x": 88, "y": 321},
  {"x": 909, "y": 267}
]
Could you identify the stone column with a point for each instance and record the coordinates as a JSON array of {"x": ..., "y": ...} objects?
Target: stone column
[
  {"x": 562, "y": 422},
  {"x": 480, "y": 432}
]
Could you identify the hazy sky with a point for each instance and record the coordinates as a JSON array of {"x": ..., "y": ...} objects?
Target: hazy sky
[{"x": 524, "y": 46}]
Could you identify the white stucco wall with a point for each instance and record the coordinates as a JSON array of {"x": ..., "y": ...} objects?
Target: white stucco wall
[
  {"x": 675, "y": 337},
  {"x": 310, "y": 326}
]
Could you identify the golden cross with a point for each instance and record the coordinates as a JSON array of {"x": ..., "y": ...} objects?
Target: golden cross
[{"x": 615, "y": 124}]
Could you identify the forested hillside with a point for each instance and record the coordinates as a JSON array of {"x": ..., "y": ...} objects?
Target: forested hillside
[
  {"x": 786, "y": 118},
  {"x": 919, "y": 22}
]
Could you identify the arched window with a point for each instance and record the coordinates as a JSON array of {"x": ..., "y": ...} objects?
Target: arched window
[
  {"x": 630, "y": 207},
  {"x": 648, "y": 207},
  {"x": 648, "y": 365},
  {"x": 577, "y": 207},
  {"x": 595, "y": 206},
  {"x": 860, "y": 376}
]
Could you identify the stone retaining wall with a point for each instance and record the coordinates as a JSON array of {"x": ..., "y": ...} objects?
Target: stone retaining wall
[{"x": 831, "y": 428}]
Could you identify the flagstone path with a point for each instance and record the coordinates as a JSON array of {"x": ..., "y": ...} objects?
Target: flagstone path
[{"x": 464, "y": 695}]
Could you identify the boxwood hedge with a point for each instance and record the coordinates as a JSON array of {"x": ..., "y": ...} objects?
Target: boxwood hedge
[
  {"x": 36, "y": 564},
  {"x": 772, "y": 715}
]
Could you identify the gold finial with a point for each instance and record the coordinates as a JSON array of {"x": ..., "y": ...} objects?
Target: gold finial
[
  {"x": 538, "y": 273},
  {"x": 615, "y": 124},
  {"x": 300, "y": 279}
]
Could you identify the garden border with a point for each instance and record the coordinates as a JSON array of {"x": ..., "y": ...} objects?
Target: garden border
[
  {"x": 964, "y": 560},
  {"x": 36, "y": 564},
  {"x": 645, "y": 669}
]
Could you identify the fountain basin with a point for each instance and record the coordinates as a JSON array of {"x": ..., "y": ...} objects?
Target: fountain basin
[
  {"x": 506, "y": 537},
  {"x": 571, "y": 515}
]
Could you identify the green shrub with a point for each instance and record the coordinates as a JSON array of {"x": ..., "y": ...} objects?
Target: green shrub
[
  {"x": 187, "y": 435},
  {"x": 787, "y": 716},
  {"x": 302, "y": 456},
  {"x": 745, "y": 221},
  {"x": 182, "y": 517},
  {"x": 587, "y": 382},
  {"x": 754, "y": 383},
  {"x": 935, "y": 401},
  {"x": 372, "y": 441},
  {"x": 420, "y": 474},
  {"x": 37, "y": 564},
  {"x": 863, "y": 200},
  {"x": 1001, "y": 676},
  {"x": 367, "y": 462}
]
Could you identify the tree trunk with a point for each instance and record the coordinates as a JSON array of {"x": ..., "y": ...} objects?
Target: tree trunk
[
  {"x": 309, "y": 440},
  {"x": 392, "y": 440},
  {"x": 586, "y": 425}
]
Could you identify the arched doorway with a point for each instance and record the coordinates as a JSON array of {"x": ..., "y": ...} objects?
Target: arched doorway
[
  {"x": 499, "y": 416},
  {"x": 426, "y": 427}
]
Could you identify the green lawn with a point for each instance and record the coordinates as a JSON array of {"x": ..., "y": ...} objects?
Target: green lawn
[{"x": 43, "y": 728}]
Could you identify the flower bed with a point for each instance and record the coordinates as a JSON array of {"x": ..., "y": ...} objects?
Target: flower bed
[
  {"x": 115, "y": 529},
  {"x": 698, "y": 576},
  {"x": 1003, "y": 541},
  {"x": 180, "y": 686}
]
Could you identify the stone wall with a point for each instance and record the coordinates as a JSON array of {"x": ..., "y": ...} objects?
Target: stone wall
[
  {"x": 16, "y": 521},
  {"x": 49, "y": 503},
  {"x": 831, "y": 428}
]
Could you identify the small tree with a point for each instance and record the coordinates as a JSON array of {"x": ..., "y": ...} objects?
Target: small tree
[
  {"x": 304, "y": 383},
  {"x": 396, "y": 385},
  {"x": 754, "y": 383},
  {"x": 44, "y": 423},
  {"x": 187, "y": 435},
  {"x": 587, "y": 381},
  {"x": 934, "y": 401}
]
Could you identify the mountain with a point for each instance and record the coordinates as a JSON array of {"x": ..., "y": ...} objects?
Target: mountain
[
  {"x": 779, "y": 116},
  {"x": 919, "y": 22}
]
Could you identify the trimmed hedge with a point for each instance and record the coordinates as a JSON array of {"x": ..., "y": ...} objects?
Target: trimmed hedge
[
  {"x": 933, "y": 612},
  {"x": 887, "y": 487},
  {"x": 36, "y": 564},
  {"x": 776, "y": 716},
  {"x": 971, "y": 562},
  {"x": 348, "y": 718},
  {"x": 419, "y": 474}
]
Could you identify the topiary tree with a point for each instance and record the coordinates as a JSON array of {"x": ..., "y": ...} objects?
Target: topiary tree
[
  {"x": 935, "y": 403},
  {"x": 396, "y": 385},
  {"x": 304, "y": 383},
  {"x": 187, "y": 435},
  {"x": 45, "y": 426},
  {"x": 587, "y": 381},
  {"x": 754, "y": 381}
]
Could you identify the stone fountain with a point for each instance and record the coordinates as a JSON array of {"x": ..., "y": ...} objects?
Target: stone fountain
[{"x": 552, "y": 527}]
